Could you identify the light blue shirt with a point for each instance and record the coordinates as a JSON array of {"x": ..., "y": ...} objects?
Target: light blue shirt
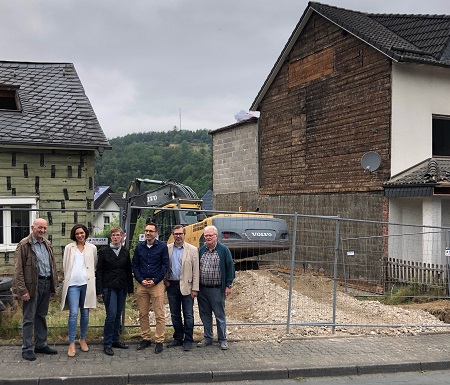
[
  {"x": 43, "y": 258},
  {"x": 175, "y": 268}
]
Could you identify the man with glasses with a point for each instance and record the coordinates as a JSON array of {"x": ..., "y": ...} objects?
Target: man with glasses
[
  {"x": 182, "y": 287},
  {"x": 149, "y": 265},
  {"x": 216, "y": 278}
]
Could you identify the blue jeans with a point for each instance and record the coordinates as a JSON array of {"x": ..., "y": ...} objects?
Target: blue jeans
[
  {"x": 114, "y": 300},
  {"x": 75, "y": 298},
  {"x": 177, "y": 302},
  {"x": 212, "y": 300}
]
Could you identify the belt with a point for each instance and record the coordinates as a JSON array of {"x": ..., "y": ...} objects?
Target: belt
[
  {"x": 171, "y": 281},
  {"x": 46, "y": 278},
  {"x": 212, "y": 286}
]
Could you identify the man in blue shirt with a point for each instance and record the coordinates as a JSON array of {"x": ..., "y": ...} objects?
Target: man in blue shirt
[
  {"x": 149, "y": 264},
  {"x": 182, "y": 287}
]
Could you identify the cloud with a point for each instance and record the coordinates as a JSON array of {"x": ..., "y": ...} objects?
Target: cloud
[{"x": 142, "y": 61}]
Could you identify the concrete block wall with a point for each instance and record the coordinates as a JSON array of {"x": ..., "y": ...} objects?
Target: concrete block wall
[{"x": 235, "y": 158}]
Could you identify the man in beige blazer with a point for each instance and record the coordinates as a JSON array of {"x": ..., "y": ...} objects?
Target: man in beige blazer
[{"x": 182, "y": 284}]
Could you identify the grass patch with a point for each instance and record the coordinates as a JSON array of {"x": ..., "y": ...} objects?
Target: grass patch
[
  {"x": 413, "y": 293},
  {"x": 11, "y": 322}
]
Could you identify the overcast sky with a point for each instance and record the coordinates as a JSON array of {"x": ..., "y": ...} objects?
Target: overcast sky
[{"x": 145, "y": 63}]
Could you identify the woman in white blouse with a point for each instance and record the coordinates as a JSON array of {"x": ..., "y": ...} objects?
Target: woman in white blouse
[{"x": 78, "y": 292}]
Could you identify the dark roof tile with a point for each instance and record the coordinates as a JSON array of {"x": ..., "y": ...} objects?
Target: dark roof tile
[
  {"x": 55, "y": 109},
  {"x": 432, "y": 171},
  {"x": 421, "y": 39}
]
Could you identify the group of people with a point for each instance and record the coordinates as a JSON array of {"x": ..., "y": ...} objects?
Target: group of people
[{"x": 179, "y": 268}]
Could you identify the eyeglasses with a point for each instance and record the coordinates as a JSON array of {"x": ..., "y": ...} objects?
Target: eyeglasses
[
  {"x": 150, "y": 231},
  {"x": 178, "y": 234},
  {"x": 210, "y": 235}
]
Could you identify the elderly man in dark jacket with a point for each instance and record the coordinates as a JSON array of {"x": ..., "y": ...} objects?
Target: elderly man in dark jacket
[
  {"x": 113, "y": 281},
  {"x": 34, "y": 283}
]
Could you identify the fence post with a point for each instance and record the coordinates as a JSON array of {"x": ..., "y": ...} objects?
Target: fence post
[
  {"x": 291, "y": 279},
  {"x": 336, "y": 256}
]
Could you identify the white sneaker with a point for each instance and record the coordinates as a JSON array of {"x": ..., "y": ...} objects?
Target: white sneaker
[{"x": 224, "y": 345}]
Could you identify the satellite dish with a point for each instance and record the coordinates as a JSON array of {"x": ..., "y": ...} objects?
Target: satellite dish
[{"x": 371, "y": 161}]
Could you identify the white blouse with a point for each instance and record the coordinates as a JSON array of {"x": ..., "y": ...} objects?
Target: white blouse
[{"x": 79, "y": 274}]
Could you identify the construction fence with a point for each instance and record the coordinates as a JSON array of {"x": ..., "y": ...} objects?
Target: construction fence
[{"x": 336, "y": 274}]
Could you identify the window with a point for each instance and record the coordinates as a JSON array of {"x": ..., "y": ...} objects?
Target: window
[
  {"x": 16, "y": 217},
  {"x": 9, "y": 99},
  {"x": 165, "y": 219},
  {"x": 189, "y": 217},
  {"x": 106, "y": 222},
  {"x": 441, "y": 136}
]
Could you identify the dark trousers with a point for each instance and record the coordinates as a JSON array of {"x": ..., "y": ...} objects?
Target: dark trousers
[
  {"x": 34, "y": 312},
  {"x": 114, "y": 300},
  {"x": 179, "y": 303},
  {"x": 212, "y": 300}
]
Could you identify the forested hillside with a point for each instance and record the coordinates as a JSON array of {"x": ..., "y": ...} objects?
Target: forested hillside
[{"x": 181, "y": 155}]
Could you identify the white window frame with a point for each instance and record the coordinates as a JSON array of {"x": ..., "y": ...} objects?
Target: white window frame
[
  {"x": 106, "y": 222},
  {"x": 10, "y": 202}
]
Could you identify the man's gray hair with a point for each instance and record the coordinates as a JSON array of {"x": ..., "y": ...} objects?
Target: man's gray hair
[{"x": 214, "y": 228}]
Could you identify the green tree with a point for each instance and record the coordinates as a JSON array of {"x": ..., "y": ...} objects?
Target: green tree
[{"x": 185, "y": 156}]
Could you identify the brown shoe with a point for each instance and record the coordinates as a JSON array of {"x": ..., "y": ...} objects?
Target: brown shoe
[
  {"x": 71, "y": 352},
  {"x": 83, "y": 345}
]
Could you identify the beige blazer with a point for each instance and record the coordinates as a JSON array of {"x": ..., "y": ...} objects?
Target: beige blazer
[
  {"x": 90, "y": 257},
  {"x": 190, "y": 270}
]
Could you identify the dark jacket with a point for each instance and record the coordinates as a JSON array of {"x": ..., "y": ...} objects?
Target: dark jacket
[
  {"x": 225, "y": 261},
  {"x": 150, "y": 262},
  {"x": 26, "y": 268},
  {"x": 113, "y": 271}
]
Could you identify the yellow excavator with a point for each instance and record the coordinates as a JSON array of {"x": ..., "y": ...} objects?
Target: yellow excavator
[{"x": 171, "y": 203}]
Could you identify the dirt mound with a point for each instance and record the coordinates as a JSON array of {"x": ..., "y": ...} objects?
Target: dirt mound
[{"x": 261, "y": 296}]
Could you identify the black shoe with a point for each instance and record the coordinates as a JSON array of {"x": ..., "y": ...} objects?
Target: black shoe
[
  {"x": 144, "y": 344},
  {"x": 119, "y": 345},
  {"x": 174, "y": 343},
  {"x": 187, "y": 345},
  {"x": 28, "y": 355},
  {"x": 46, "y": 350},
  {"x": 158, "y": 347},
  {"x": 108, "y": 351}
]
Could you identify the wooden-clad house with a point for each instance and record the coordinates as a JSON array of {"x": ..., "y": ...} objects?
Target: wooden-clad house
[
  {"x": 49, "y": 138},
  {"x": 348, "y": 83}
]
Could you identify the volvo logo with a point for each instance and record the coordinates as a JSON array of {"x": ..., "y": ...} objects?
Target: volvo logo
[{"x": 261, "y": 234}]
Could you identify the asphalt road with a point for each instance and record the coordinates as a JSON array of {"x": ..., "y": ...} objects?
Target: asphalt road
[{"x": 408, "y": 378}]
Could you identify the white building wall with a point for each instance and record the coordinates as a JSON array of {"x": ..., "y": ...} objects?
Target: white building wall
[
  {"x": 418, "y": 92},
  {"x": 432, "y": 216},
  {"x": 111, "y": 210},
  {"x": 405, "y": 242}
]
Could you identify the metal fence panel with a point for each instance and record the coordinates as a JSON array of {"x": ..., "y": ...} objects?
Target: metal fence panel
[{"x": 332, "y": 267}]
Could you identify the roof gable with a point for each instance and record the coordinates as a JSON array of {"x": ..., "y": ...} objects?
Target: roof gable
[
  {"x": 55, "y": 109},
  {"x": 403, "y": 38}
]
